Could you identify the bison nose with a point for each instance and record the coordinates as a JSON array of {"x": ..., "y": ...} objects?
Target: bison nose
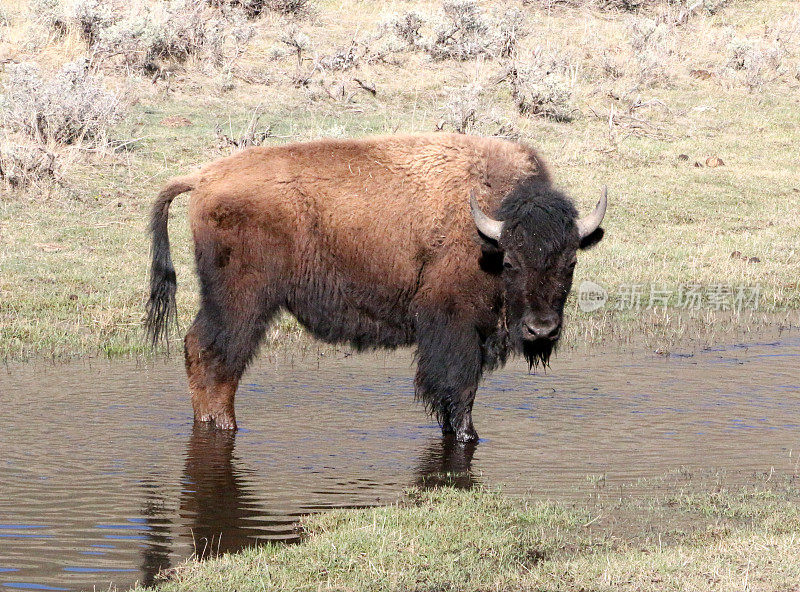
[{"x": 548, "y": 329}]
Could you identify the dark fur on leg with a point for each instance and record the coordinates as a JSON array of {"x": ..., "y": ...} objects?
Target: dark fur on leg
[
  {"x": 449, "y": 361},
  {"x": 236, "y": 309}
]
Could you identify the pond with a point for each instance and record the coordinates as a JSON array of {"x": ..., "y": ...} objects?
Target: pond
[{"x": 104, "y": 479}]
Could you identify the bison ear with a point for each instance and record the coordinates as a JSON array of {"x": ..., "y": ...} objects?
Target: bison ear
[{"x": 587, "y": 242}]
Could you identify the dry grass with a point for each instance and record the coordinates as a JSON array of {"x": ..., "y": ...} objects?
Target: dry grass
[{"x": 638, "y": 99}]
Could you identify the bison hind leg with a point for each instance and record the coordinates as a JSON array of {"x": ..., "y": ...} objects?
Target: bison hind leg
[
  {"x": 218, "y": 348},
  {"x": 240, "y": 291},
  {"x": 211, "y": 387}
]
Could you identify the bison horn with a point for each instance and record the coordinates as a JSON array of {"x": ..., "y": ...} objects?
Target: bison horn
[
  {"x": 488, "y": 227},
  {"x": 588, "y": 224}
]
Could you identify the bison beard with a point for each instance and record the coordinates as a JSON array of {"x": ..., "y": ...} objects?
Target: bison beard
[
  {"x": 371, "y": 242},
  {"x": 536, "y": 353}
]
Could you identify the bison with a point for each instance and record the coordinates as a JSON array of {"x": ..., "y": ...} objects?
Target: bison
[{"x": 460, "y": 245}]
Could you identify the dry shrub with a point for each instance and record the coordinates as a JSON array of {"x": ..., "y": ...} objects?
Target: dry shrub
[
  {"x": 469, "y": 111},
  {"x": 345, "y": 58},
  {"x": 462, "y": 31},
  {"x": 143, "y": 36},
  {"x": 254, "y": 8},
  {"x": 541, "y": 85},
  {"x": 680, "y": 13},
  {"x": 407, "y": 27},
  {"x": 612, "y": 66},
  {"x": 707, "y": 6},
  {"x": 649, "y": 57},
  {"x": 25, "y": 164},
  {"x": 646, "y": 34},
  {"x": 69, "y": 107},
  {"x": 755, "y": 62},
  {"x": 463, "y": 109},
  {"x": 92, "y": 16},
  {"x": 342, "y": 59},
  {"x": 628, "y": 5},
  {"x": 253, "y": 133},
  {"x": 87, "y": 17},
  {"x": 545, "y": 95},
  {"x": 146, "y": 38},
  {"x": 49, "y": 14},
  {"x": 459, "y": 32},
  {"x": 652, "y": 45},
  {"x": 293, "y": 7},
  {"x": 363, "y": 49},
  {"x": 299, "y": 42},
  {"x": 511, "y": 26},
  {"x": 637, "y": 117}
]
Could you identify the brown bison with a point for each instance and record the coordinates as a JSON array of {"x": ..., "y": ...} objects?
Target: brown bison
[{"x": 371, "y": 242}]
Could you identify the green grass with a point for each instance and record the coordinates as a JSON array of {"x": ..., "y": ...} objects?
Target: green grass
[
  {"x": 73, "y": 259},
  {"x": 483, "y": 540}
]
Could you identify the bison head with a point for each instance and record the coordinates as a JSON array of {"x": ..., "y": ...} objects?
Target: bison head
[{"x": 533, "y": 247}]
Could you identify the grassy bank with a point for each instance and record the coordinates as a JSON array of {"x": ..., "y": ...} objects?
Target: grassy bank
[
  {"x": 447, "y": 539},
  {"x": 692, "y": 120}
]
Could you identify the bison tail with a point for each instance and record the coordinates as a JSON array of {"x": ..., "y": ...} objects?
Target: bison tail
[{"x": 161, "y": 307}]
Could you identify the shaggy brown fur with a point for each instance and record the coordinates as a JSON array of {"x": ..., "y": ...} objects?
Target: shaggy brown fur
[{"x": 369, "y": 242}]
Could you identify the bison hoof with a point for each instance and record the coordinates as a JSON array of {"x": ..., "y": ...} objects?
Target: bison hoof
[
  {"x": 467, "y": 436},
  {"x": 464, "y": 430},
  {"x": 220, "y": 423},
  {"x": 464, "y": 433}
]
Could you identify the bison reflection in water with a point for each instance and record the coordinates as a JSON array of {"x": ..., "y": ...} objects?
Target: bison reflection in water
[
  {"x": 447, "y": 463},
  {"x": 222, "y": 509},
  {"x": 225, "y": 513},
  {"x": 158, "y": 544},
  {"x": 460, "y": 245}
]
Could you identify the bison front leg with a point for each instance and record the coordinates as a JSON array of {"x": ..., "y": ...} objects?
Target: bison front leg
[{"x": 448, "y": 370}]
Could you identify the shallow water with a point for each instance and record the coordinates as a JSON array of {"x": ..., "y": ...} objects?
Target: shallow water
[{"x": 104, "y": 479}]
